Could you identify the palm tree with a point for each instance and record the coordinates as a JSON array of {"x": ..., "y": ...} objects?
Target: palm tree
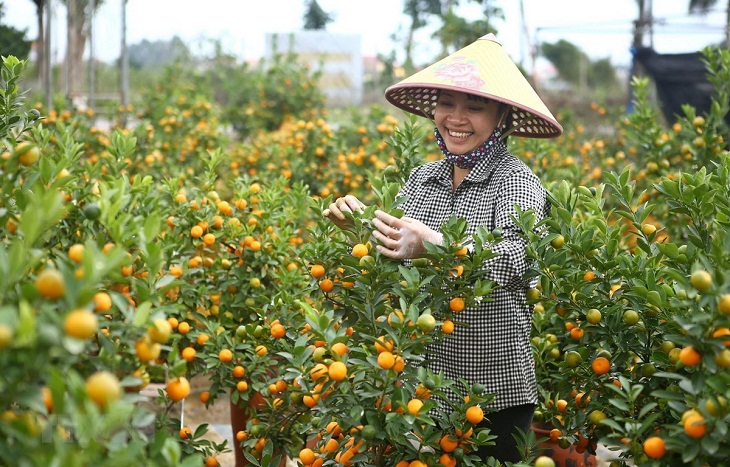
[{"x": 703, "y": 6}]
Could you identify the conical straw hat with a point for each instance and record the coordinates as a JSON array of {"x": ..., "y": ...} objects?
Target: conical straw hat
[{"x": 484, "y": 69}]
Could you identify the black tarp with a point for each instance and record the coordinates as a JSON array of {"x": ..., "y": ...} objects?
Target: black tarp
[{"x": 680, "y": 79}]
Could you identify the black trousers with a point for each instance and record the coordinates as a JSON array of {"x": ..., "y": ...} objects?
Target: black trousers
[{"x": 504, "y": 424}]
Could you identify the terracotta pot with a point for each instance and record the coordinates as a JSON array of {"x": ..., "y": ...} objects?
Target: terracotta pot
[
  {"x": 563, "y": 457},
  {"x": 239, "y": 417}
]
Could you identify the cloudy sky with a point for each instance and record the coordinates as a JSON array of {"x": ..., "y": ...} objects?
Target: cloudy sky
[{"x": 601, "y": 28}]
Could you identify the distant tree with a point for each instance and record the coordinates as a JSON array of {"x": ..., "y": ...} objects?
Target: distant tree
[
  {"x": 77, "y": 30},
  {"x": 566, "y": 58},
  {"x": 458, "y": 32},
  {"x": 12, "y": 40},
  {"x": 575, "y": 67},
  {"x": 147, "y": 54},
  {"x": 315, "y": 18},
  {"x": 704, "y": 6},
  {"x": 602, "y": 74},
  {"x": 419, "y": 11}
]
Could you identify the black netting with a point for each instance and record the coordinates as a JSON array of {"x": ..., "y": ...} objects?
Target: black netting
[{"x": 680, "y": 79}]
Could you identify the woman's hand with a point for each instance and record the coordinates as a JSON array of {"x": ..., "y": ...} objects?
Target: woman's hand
[
  {"x": 335, "y": 211},
  {"x": 402, "y": 238}
]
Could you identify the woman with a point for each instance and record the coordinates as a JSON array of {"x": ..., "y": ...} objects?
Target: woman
[{"x": 476, "y": 97}]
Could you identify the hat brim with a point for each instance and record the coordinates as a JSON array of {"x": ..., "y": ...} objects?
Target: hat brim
[{"x": 482, "y": 69}]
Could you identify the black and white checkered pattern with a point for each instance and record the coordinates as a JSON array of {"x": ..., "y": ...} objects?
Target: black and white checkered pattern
[{"x": 493, "y": 348}]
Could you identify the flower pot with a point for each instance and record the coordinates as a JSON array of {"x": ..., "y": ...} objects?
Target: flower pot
[
  {"x": 239, "y": 417},
  {"x": 563, "y": 457}
]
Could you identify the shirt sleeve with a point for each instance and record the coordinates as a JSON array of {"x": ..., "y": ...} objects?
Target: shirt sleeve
[{"x": 523, "y": 189}]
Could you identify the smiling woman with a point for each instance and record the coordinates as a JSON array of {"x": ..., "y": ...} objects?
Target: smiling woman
[{"x": 476, "y": 97}]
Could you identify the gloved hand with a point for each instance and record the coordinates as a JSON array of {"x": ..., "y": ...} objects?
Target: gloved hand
[
  {"x": 335, "y": 211},
  {"x": 402, "y": 238}
]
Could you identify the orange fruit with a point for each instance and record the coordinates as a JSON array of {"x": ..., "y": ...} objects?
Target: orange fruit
[
  {"x": 600, "y": 365},
  {"x": 238, "y": 371},
  {"x": 724, "y": 304},
  {"x": 185, "y": 433},
  {"x": 337, "y": 371},
  {"x": 196, "y": 231},
  {"x": 261, "y": 350},
  {"x": 340, "y": 348},
  {"x": 386, "y": 360},
  {"x": 278, "y": 331},
  {"x": 721, "y": 332},
  {"x": 183, "y": 328},
  {"x": 205, "y": 397},
  {"x": 589, "y": 276},
  {"x": 225, "y": 355},
  {"x": 81, "y": 324},
  {"x": 326, "y": 285},
  {"x": 383, "y": 343},
  {"x": 160, "y": 331},
  {"x": 209, "y": 239},
  {"x": 655, "y": 447},
  {"x": 178, "y": 388},
  {"x": 241, "y": 386},
  {"x": 689, "y": 356},
  {"x": 318, "y": 371},
  {"x": 103, "y": 388},
  {"x": 359, "y": 250},
  {"x": 447, "y": 326},
  {"x": 50, "y": 284},
  {"x": 456, "y": 304},
  {"x": 447, "y": 461},
  {"x": 414, "y": 406},
  {"x": 701, "y": 280},
  {"x": 694, "y": 426},
  {"x": 576, "y": 333},
  {"x": 562, "y": 404},
  {"x": 474, "y": 414},
  {"x": 211, "y": 462},
  {"x": 448, "y": 443},
  {"x": 102, "y": 302},
  {"x": 188, "y": 354},
  {"x": 146, "y": 350},
  {"x": 76, "y": 253},
  {"x": 307, "y": 456}
]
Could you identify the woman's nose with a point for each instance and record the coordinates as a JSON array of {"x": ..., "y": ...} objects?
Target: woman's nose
[{"x": 457, "y": 114}]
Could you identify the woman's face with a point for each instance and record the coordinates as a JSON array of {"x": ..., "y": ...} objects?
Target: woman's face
[{"x": 464, "y": 121}]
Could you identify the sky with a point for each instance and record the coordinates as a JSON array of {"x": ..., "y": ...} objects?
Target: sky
[{"x": 601, "y": 28}]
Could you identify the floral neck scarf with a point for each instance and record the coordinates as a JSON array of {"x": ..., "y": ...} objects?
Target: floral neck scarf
[{"x": 470, "y": 160}]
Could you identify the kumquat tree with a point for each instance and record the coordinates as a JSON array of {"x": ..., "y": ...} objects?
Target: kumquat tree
[{"x": 167, "y": 260}]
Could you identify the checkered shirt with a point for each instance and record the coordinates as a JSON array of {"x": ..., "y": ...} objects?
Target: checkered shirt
[{"x": 494, "y": 347}]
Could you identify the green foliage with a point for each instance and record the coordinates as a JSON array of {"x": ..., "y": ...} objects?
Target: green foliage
[{"x": 14, "y": 117}]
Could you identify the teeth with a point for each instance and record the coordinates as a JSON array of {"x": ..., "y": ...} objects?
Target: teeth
[{"x": 459, "y": 134}]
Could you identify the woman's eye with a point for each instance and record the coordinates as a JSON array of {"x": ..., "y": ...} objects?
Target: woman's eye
[{"x": 445, "y": 104}]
